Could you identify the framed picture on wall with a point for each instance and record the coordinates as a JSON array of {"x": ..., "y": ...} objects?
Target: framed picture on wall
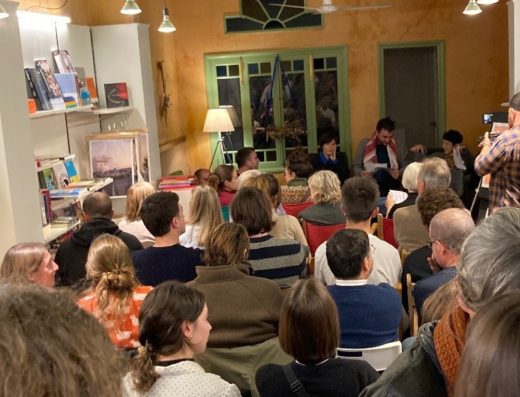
[{"x": 122, "y": 156}]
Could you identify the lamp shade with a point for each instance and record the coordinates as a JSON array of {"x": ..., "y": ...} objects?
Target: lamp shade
[
  {"x": 218, "y": 120},
  {"x": 166, "y": 25},
  {"x": 232, "y": 115},
  {"x": 486, "y": 2},
  {"x": 130, "y": 8},
  {"x": 3, "y": 12},
  {"x": 472, "y": 8}
]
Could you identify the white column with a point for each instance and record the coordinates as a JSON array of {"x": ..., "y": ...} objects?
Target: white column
[{"x": 19, "y": 201}]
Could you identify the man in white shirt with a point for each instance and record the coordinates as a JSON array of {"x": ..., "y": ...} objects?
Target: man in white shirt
[{"x": 360, "y": 196}]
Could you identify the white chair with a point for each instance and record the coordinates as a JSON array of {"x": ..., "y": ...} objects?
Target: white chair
[{"x": 379, "y": 357}]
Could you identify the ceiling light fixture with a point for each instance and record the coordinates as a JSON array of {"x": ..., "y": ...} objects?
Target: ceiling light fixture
[
  {"x": 166, "y": 25},
  {"x": 472, "y": 8},
  {"x": 130, "y": 8},
  {"x": 3, "y": 12}
]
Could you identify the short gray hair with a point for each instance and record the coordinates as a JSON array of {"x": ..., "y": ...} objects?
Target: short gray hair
[
  {"x": 435, "y": 173},
  {"x": 452, "y": 226},
  {"x": 489, "y": 264},
  {"x": 410, "y": 176}
]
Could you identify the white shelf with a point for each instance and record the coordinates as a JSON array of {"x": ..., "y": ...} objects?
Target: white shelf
[
  {"x": 52, "y": 233},
  {"x": 105, "y": 111},
  {"x": 47, "y": 113}
]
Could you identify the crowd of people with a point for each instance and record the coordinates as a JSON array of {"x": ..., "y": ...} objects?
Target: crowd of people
[{"x": 232, "y": 302}]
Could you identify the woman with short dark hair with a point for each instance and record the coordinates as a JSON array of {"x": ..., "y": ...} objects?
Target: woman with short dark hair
[{"x": 309, "y": 331}]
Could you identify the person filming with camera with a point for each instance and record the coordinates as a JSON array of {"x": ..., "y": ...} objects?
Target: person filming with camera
[{"x": 501, "y": 159}]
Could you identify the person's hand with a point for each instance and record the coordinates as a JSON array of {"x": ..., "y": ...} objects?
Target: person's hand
[
  {"x": 389, "y": 202},
  {"x": 394, "y": 173},
  {"x": 485, "y": 141},
  {"x": 434, "y": 266},
  {"x": 366, "y": 173},
  {"x": 419, "y": 148}
]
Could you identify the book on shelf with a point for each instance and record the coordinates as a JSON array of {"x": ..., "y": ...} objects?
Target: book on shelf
[
  {"x": 71, "y": 170},
  {"x": 53, "y": 89},
  {"x": 63, "y": 61},
  {"x": 37, "y": 89},
  {"x": 69, "y": 87},
  {"x": 91, "y": 87},
  {"x": 63, "y": 193},
  {"x": 60, "y": 174},
  {"x": 49, "y": 180},
  {"x": 64, "y": 221},
  {"x": 175, "y": 182},
  {"x": 45, "y": 203},
  {"x": 116, "y": 95}
]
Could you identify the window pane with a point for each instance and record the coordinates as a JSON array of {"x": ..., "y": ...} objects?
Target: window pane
[
  {"x": 265, "y": 67},
  {"x": 331, "y": 63},
  {"x": 326, "y": 103},
  {"x": 229, "y": 94},
  {"x": 319, "y": 63},
  {"x": 221, "y": 71},
  {"x": 298, "y": 65},
  {"x": 294, "y": 111},
  {"x": 234, "y": 70},
  {"x": 252, "y": 68},
  {"x": 259, "y": 90}
]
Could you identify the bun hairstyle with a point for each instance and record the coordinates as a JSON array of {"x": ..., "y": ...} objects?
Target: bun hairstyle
[
  {"x": 162, "y": 315},
  {"x": 112, "y": 276},
  {"x": 223, "y": 173}
]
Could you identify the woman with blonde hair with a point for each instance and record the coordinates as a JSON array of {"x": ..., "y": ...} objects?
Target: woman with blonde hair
[
  {"x": 28, "y": 263},
  {"x": 309, "y": 332},
  {"x": 285, "y": 226},
  {"x": 173, "y": 329},
  {"x": 326, "y": 194},
  {"x": 205, "y": 215},
  {"x": 114, "y": 296},
  {"x": 132, "y": 222}
]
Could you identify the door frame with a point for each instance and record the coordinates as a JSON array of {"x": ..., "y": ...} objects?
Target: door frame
[{"x": 441, "y": 78}]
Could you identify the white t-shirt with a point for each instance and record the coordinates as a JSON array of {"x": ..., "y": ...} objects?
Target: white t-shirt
[
  {"x": 191, "y": 236},
  {"x": 139, "y": 230},
  {"x": 387, "y": 264}
]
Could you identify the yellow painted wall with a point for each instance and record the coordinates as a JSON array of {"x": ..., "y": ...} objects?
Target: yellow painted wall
[{"x": 476, "y": 56}]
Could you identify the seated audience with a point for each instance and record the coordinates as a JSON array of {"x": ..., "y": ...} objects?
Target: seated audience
[
  {"x": 166, "y": 259},
  {"x": 284, "y": 226},
  {"x": 360, "y": 196},
  {"x": 201, "y": 176},
  {"x": 132, "y": 222},
  {"x": 28, "y": 263},
  {"x": 114, "y": 296},
  {"x": 369, "y": 315},
  {"x": 224, "y": 181},
  {"x": 409, "y": 230},
  {"x": 448, "y": 230},
  {"x": 328, "y": 158},
  {"x": 409, "y": 183},
  {"x": 173, "y": 329},
  {"x": 205, "y": 215},
  {"x": 243, "y": 310},
  {"x": 489, "y": 267},
  {"x": 247, "y": 159},
  {"x": 309, "y": 331},
  {"x": 325, "y": 191},
  {"x": 490, "y": 363},
  {"x": 97, "y": 216},
  {"x": 281, "y": 260},
  {"x": 297, "y": 170},
  {"x": 50, "y": 347}
]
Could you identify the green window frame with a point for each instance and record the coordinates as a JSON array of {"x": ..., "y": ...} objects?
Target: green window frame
[{"x": 232, "y": 80}]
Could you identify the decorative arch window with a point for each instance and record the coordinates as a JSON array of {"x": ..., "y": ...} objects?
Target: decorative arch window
[
  {"x": 262, "y": 15},
  {"x": 308, "y": 97}
]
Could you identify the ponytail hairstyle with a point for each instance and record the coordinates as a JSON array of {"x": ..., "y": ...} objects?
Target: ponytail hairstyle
[
  {"x": 112, "y": 276},
  {"x": 205, "y": 212},
  {"x": 223, "y": 173},
  {"x": 164, "y": 311}
]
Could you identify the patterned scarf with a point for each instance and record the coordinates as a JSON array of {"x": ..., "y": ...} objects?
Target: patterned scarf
[
  {"x": 449, "y": 338},
  {"x": 370, "y": 155}
]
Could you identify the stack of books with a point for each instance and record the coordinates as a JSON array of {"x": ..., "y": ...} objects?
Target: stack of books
[{"x": 175, "y": 182}]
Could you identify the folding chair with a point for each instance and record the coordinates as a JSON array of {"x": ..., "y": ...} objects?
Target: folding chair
[
  {"x": 379, "y": 357},
  {"x": 317, "y": 234},
  {"x": 295, "y": 209}
]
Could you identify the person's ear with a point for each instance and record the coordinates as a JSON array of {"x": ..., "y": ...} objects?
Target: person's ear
[
  {"x": 420, "y": 186},
  {"x": 187, "y": 329},
  {"x": 175, "y": 223}
]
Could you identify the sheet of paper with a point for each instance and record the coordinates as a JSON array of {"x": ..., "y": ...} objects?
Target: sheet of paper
[
  {"x": 371, "y": 167},
  {"x": 398, "y": 195}
]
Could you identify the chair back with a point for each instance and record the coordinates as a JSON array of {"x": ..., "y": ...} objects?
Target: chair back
[
  {"x": 317, "y": 234},
  {"x": 295, "y": 209},
  {"x": 379, "y": 357},
  {"x": 388, "y": 232},
  {"x": 412, "y": 309}
]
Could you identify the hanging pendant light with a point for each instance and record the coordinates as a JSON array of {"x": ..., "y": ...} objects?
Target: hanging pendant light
[
  {"x": 130, "y": 8},
  {"x": 486, "y": 2},
  {"x": 3, "y": 12},
  {"x": 472, "y": 8},
  {"x": 166, "y": 25}
]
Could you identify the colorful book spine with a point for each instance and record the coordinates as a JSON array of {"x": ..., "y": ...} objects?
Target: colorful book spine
[{"x": 42, "y": 98}]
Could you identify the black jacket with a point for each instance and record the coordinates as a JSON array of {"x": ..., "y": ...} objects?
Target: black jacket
[
  {"x": 72, "y": 254},
  {"x": 416, "y": 372}
]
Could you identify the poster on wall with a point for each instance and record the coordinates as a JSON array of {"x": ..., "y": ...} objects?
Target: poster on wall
[{"x": 114, "y": 158}]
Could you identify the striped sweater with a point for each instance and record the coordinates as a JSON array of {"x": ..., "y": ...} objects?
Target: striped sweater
[{"x": 280, "y": 260}]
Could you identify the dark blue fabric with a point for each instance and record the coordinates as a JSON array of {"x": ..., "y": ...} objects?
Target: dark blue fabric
[
  {"x": 369, "y": 315},
  {"x": 382, "y": 155},
  {"x": 429, "y": 285},
  {"x": 155, "y": 265}
]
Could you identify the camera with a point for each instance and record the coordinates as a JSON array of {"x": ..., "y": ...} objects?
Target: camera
[{"x": 494, "y": 117}]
